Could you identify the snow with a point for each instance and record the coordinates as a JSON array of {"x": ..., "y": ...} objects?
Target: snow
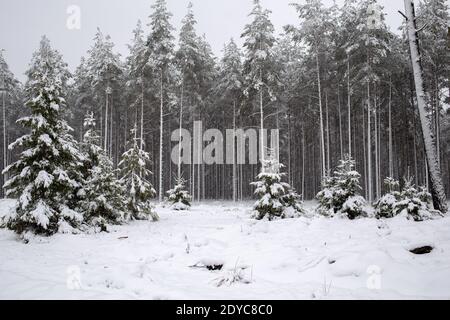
[
  {"x": 44, "y": 179},
  {"x": 41, "y": 214},
  {"x": 304, "y": 258}
]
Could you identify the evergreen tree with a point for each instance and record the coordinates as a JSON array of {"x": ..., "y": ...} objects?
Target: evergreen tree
[
  {"x": 161, "y": 51},
  {"x": 228, "y": 90},
  {"x": 340, "y": 191},
  {"x": 261, "y": 79},
  {"x": 188, "y": 60},
  {"x": 385, "y": 206},
  {"x": 414, "y": 203},
  {"x": 134, "y": 174},
  {"x": 104, "y": 71},
  {"x": 178, "y": 196},
  {"x": 81, "y": 97},
  {"x": 46, "y": 179},
  {"x": 316, "y": 31},
  {"x": 136, "y": 84},
  {"x": 230, "y": 81},
  {"x": 276, "y": 198},
  {"x": 12, "y": 108},
  {"x": 104, "y": 200}
]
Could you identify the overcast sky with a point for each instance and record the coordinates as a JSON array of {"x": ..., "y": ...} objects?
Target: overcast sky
[{"x": 23, "y": 22}]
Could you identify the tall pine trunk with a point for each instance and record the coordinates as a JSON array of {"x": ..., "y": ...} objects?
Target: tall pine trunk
[
  {"x": 369, "y": 148},
  {"x": 322, "y": 138},
  {"x": 161, "y": 131},
  {"x": 261, "y": 134},
  {"x": 234, "y": 152},
  {"x": 436, "y": 184},
  {"x": 391, "y": 159},
  {"x": 349, "y": 108},
  {"x": 5, "y": 159}
]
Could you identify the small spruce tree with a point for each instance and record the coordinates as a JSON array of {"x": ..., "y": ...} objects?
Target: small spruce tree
[
  {"x": 385, "y": 206},
  {"x": 340, "y": 191},
  {"x": 415, "y": 203},
  {"x": 178, "y": 196},
  {"x": 275, "y": 196},
  {"x": 134, "y": 174},
  {"x": 104, "y": 200}
]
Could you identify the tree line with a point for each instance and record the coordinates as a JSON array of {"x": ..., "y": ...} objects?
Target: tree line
[{"x": 338, "y": 82}]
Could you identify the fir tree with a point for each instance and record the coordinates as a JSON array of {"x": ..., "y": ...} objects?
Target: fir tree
[
  {"x": 261, "y": 79},
  {"x": 414, "y": 203},
  {"x": 134, "y": 174},
  {"x": 161, "y": 51},
  {"x": 46, "y": 179},
  {"x": 12, "y": 108},
  {"x": 178, "y": 196},
  {"x": 104, "y": 200},
  {"x": 104, "y": 72},
  {"x": 340, "y": 191},
  {"x": 275, "y": 196},
  {"x": 385, "y": 206}
]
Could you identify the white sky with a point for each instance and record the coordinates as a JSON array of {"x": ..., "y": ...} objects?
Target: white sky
[{"x": 23, "y": 22}]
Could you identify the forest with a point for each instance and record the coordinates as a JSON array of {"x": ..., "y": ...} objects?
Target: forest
[
  {"x": 116, "y": 182},
  {"x": 338, "y": 83}
]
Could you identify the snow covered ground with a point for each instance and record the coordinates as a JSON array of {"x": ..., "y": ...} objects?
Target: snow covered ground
[{"x": 306, "y": 258}]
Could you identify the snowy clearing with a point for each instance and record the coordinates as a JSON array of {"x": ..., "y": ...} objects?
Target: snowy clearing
[{"x": 305, "y": 258}]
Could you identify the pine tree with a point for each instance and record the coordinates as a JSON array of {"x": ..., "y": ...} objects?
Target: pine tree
[
  {"x": 275, "y": 197},
  {"x": 261, "y": 79},
  {"x": 229, "y": 90},
  {"x": 46, "y": 179},
  {"x": 104, "y": 199},
  {"x": 161, "y": 51},
  {"x": 134, "y": 174},
  {"x": 316, "y": 31},
  {"x": 104, "y": 70},
  {"x": 196, "y": 67},
  {"x": 340, "y": 192},
  {"x": 178, "y": 196},
  {"x": 414, "y": 203},
  {"x": 81, "y": 97},
  {"x": 135, "y": 75},
  {"x": 11, "y": 104},
  {"x": 385, "y": 206}
]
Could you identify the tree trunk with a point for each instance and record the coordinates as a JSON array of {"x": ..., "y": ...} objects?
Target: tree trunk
[
  {"x": 106, "y": 119},
  {"x": 142, "y": 114},
  {"x": 369, "y": 148},
  {"x": 322, "y": 138},
  {"x": 391, "y": 161},
  {"x": 328, "y": 133},
  {"x": 436, "y": 184},
  {"x": 5, "y": 160},
  {"x": 349, "y": 108},
  {"x": 341, "y": 143},
  {"x": 161, "y": 131},
  {"x": 261, "y": 134},
  {"x": 234, "y": 152}
]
